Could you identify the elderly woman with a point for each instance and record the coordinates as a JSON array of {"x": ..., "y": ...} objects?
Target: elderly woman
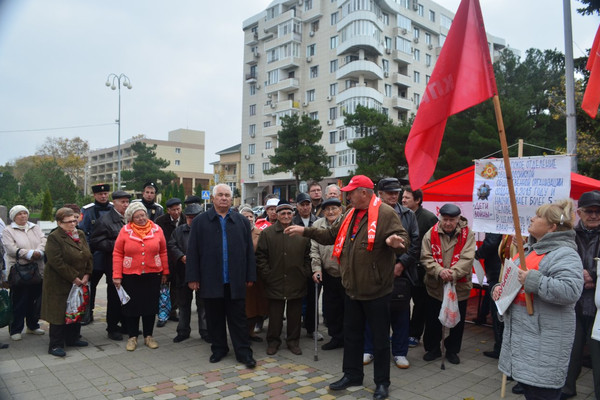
[
  {"x": 536, "y": 349},
  {"x": 69, "y": 262},
  {"x": 24, "y": 240},
  {"x": 257, "y": 306},
  {"x": 140, "y": 264}
]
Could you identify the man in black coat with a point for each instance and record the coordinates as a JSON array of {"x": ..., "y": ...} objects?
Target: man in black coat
[
  {"x": 103, "y": 240},
  {"x": 220, "y": 263}
]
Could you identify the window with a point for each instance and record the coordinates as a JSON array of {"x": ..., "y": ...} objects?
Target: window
[
  {"x": 252, "y": 130},
  {"x": 417, "y": 55},
  {"x": 432, "y": 15},
  {"x": 268, "y": 144},
  {"x": 267, "y": 124},
  {"x": 417, "y": 77},
  {"x": 388, "y": 43},
  {"x": 311, "y": 50},
  {"x": 428, "y": 60},
  {"x": 404, "y": 45},
  {"x": 388, "y": 90},
  {"x": 350, "y": 83},
  {"x": 314, "y": 115},
  {"x": 314, "y": 26},
  {"x": 177, "y": 150},
  {"x": 331, "y": 163},
  {"x": 403, "y": 22},
  {"x": 427, "y": 38},
  {"x": 272, "y": 77},
  {"x": 421, "y": 10},
  {"x": 334, "y": 18},
  {"x": 333, "y": 89},
  {"x": 333, "y": 42},
  {"x": 332, "y": 136},
  {"x": 252, "y": 109},
  {"x": 314, "y": 71},
  {"x": 416, "y": 32},
  {"x": 266, "y": 166},
  {"x": 252, "y": 89},
  {"x": 307, "y": 5},
  {"x": 333, "y": 65},
  {"x": 385, "y": 112},
  {"x": 442, "y": 40},
  {"x": 385, "y": 64},
  {"x": 445, "y": 21},
  {"x": 427, "y": 77},
  {"x": 310, "y": 95},
  {"x": 417, "y": 99},
  {"x": 251, "y": 169},
  {"x": 333, "y": 113},
  {"x": 177, "y": 162},
  {"x": 251, "y": 148},
  {"x": 386, "y": 18}
]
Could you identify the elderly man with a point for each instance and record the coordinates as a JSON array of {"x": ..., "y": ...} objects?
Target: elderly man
[
  {"x": 366, "y": 241},
  {"x": 91, "y": 214},
  {"x": 148, "y": 199},
  {"x": 103, "y": 241},
  {"x": 447, "y": 254},
  {"x": 588, "y": 245},
  {"x": 168, "y": 223},
  {"x": 413, "y": 199},
  {"x": 333, "y": 192},
  {"x": 177, "y": 249},
  {"x": 220, "y": 263},
  {"x": 284, "y": 265}
]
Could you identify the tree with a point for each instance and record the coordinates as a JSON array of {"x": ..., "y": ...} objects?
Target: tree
[
  {"x": 9, "y": 187},
  {"x": 299, "y": 151},
  {"x": 47, "y": 206},
  {"x": 593, "y": 6},
  {"x": 147, "y": 167},
  {"x": 380, "y": 147},
  {"x": 47, "y": 174},
  {"x": 70, "y": 154}
]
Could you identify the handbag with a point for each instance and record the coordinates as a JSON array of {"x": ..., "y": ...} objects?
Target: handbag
[
  {"x": 24, "y": 274},
  {"x": 6, "y": 313}
]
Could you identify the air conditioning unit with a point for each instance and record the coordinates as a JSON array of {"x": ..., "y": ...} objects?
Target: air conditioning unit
[
  {"x": 404, "y": 31},
  {"x": 328, "y": 98},
  {"x": 329, "y": 122},
  {"x": 273, "y": 105},
  {"x": 416, "y": 40},
  {"x": 386, "y": 74},
  {"x": 247, "y": 157},
  {"x": 430, "y": 46},
  {"x": 311, "y": 33},
  {"x": 257, "y": 86},
  {"x": 388, "y": 51},
  {"x": 308, "y": 59},
  {"x": 256, "y": 54},
  {"x": 266, "y": 30},
  {"x": 269, "y": 95},
  {"x": 251, "y": 176},
  {"x": 305, "y": 104}
]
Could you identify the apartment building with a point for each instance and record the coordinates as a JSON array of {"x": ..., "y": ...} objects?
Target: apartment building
[
  {"x": 227, "y": 170},
  {"x": 184, "y": 149},
  {"x": 323, "y": 58}
]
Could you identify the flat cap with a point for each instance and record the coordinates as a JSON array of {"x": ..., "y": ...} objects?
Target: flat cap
[
  {"x": 173, "y": 202},
  {"x": 284, "y": 205},
  {"x": 334, "y": 201},
  {"x": 302, "y": 197},
  {"x": 389, "y": 185},
  {"x": 192, "y": 209},
  {"x": 589, "y": 199},
  {"x": 101, "y": 187},
  {"x": 120, "y": 194},
  {"x": 450, "y": 210},
  {"x": 193, "y": 199}
]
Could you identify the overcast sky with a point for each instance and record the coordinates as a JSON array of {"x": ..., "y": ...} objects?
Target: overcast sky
[{"x": 184, "y": 59}]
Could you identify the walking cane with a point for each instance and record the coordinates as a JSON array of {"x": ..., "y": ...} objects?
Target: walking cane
[
  {"x": 444, "y": 330},
  {"x": 315, "y": 333}
]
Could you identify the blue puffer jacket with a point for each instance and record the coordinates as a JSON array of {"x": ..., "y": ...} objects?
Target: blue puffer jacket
[{"x": 536, "y": 348}]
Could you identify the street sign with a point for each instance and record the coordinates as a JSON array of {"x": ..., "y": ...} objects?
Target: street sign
[{"x": 206, "y": 195}]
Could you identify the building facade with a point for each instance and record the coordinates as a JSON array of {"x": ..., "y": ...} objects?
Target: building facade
[
  {"x": 184, "y": 149},
  {"x": 227, "y": 170},
  {"x": 323, "y": 58}
]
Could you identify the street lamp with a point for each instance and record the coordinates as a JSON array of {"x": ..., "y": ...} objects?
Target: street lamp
[{"x": 110, "y": 82}]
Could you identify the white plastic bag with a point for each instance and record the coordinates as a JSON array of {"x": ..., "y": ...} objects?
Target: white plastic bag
[
  {"x": 74, "y": 303},
  {"x": 449, "y": 313},
  {"x": 123, "y": 296}
]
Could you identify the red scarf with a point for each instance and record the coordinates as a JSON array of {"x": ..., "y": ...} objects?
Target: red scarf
[
  {"x": 436, "y": 247},
  {"x": 373, "y": 214},
  {"x": 532, "y": 261}
]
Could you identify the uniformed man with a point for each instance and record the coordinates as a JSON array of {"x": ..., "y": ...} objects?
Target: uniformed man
[{"x": 148, "y": 199}]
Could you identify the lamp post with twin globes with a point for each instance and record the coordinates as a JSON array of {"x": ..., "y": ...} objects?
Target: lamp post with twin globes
[{"x": 114, "y": 81}]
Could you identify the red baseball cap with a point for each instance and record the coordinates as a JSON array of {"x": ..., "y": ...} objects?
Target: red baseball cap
[{"x": 358, "y": 181}]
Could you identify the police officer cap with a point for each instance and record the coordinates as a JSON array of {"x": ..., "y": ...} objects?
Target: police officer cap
[
  {"x": 389, "y": 185},
  {"x": 120, "y": 194},
  {"x": 302, "y": 197},
  {"x": 102, "y": 187},
  {"x": 151, "y": 184},
  {"x": 192, "y": 199},
  {"x": 450, "y": 210},
  {"x": 589, "y": 199},
  {"x": 192, "y": 209},
  {"x": 334, "y": 201},
  {"x": 173, "y": 202}
]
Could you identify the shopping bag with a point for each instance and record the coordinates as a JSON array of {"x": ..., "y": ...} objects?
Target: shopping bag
[
  {"x": 449, "y": 313},
  {"x": 77, "y": 301},
  {"x": 123, "y": 296},
  {"x": 6, "y": 314},
  {"x": 164, "y": 303}
]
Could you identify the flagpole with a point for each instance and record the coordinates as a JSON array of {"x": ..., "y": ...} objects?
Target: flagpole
[{"x": 511, "y": 192}]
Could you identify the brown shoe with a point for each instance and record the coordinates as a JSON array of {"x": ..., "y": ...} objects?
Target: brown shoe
[
  {"x": 131, "y": 344},
  {"x": 272, "y": 349},
  {"x": 295, "y": 349},
  {"x": 150, "y": 342}
]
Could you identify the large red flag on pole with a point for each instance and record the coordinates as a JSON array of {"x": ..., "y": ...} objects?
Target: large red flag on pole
[
  {"x": 463, "y": 77},
  {"x": 591, "y": 97}
]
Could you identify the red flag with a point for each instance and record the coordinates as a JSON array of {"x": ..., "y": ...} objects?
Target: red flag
[
  {"x": 463, "y": 77},
  {"x": 591, "y": 97}
]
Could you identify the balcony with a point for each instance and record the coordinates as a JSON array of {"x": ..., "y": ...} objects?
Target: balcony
[
  {"x": 401, "y": 103},
  {"x": 356, "y": 43},
  {"x": 355, "y": 69},
  {"x": 359, "y": 91},
  {"x": 401, "y": 79},
  {"x": 402, "y": 58},
  {"x": 286, "y": 85},
  {"x": 271, "y": 131},
  {"x": 271, "y": 24},
  {"x": 251, "y": 78}
]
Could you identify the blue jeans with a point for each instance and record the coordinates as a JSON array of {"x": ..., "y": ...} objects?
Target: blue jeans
[
  {"x": 26, "y": 302},
  {"x": 399, "y": 321}
]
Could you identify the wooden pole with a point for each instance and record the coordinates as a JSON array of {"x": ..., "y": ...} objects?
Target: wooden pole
[
  {"x": 511, "y": 192},
  {"x": 503, "y": 387}
]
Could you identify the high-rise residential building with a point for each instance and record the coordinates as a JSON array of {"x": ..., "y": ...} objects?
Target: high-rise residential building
[
  {"x": 227, "y": 170},
  {"x": 324, "y": 57},
  {"x": 184, "y": 150}
]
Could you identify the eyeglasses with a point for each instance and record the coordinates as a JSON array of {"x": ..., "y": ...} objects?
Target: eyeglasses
[
  {"x": 591, "y": 212},
  {"x": 70, "y": 222}
]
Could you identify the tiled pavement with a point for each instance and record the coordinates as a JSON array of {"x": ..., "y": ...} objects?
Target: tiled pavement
[{"x": 105, "y": 370}]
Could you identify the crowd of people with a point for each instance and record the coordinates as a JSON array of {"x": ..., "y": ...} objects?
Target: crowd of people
[{"x": 380, "y": 260}]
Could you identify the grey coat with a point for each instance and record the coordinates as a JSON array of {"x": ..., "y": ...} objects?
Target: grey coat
[{"x": 536, "y": 349}]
